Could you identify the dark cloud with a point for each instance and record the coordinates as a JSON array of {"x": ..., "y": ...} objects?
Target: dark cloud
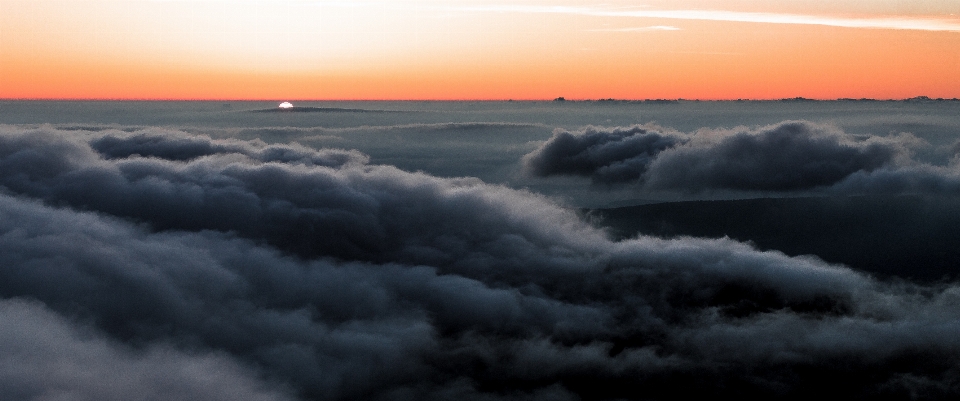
[
  {"x": 345, "y": 280},
  {"x": 357, "y": 211},
  {"x": 790, "y": 156},
  {"x": 783, "y": 157},
  {"x": 181, "y": 146},
  {"x": 335, "y": 330},
  {"x": 606, "y": 156},
  {"x": 487, "y": 150}
]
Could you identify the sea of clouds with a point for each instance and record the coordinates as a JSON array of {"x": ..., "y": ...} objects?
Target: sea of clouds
[{"x": 152, "y": 263}]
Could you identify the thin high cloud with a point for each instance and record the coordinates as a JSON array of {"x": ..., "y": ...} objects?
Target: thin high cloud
[
  {"x": 638, "y": 29},
  {"x": 897, "y": 23}
]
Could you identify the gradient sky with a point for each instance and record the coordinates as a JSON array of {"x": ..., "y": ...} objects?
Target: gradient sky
[{"x": 470, "y": 49}]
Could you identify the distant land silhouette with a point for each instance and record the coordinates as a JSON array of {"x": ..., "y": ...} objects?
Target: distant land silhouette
[{"x": 916, "y": 99}]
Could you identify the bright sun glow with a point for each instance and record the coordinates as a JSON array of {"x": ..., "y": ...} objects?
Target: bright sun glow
[{"x": 286, "y": 105}]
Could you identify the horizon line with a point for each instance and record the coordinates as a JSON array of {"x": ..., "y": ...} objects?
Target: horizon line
[{"x": 557, "y": 99}]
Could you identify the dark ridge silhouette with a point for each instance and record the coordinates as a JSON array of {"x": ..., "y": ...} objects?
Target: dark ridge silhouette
[{"x": 908, "y": 236}]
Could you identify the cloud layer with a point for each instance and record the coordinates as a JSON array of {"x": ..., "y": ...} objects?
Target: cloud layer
[
  {"x": 607, "y": 156},
  {"x": 898, "y": 23},
  {"x": 789, "y": 156},
  {"x": 44, "y": 357},
  {"x": 281, "y": 266}
]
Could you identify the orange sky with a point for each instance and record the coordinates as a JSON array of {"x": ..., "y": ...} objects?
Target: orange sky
[{"x": 303, "y": 49}]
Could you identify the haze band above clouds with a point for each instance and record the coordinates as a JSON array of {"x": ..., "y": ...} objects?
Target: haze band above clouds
[
  {"x": 899, "y": 23},
  {"x": 790, "y": 156},
  {"x": 286, "y": 271}
]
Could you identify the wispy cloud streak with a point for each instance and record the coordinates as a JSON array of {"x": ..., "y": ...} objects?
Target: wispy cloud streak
[
  {"x": 919, "y": 24},
  {"x": 638, "y": 29}
]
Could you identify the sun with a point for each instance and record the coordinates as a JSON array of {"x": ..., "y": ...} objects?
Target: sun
[{"x": 286, "y": 105}]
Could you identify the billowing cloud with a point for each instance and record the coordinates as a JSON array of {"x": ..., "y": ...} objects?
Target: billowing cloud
[
  {"x": 346, "y": 280},
  {"x": 782, "y": 157},
  {"x": 607, "y": 156},
  {"x": 789, "y": 156},
  {"x": 181, "y": 146}
]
